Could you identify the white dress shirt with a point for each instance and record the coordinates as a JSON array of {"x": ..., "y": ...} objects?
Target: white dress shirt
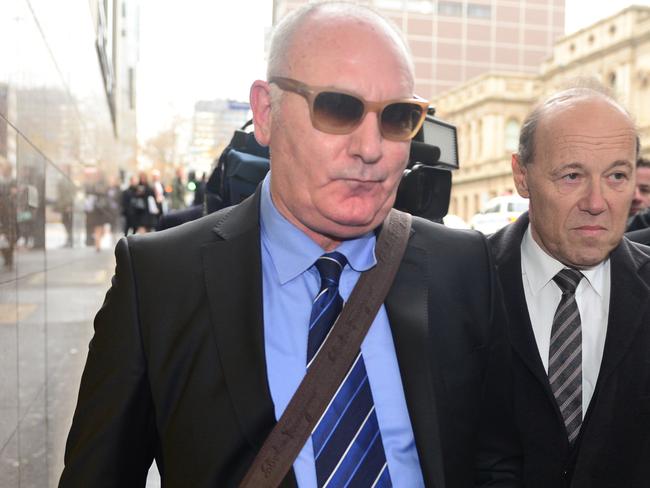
[{"x": 543, "y": 297}]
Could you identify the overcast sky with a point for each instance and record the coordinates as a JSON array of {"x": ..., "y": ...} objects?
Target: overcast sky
[{"x": 196, "y": 49}]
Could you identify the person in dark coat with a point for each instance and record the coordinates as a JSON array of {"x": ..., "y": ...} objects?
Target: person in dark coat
[
  {"x": 8, "y": 212},
  {"x": 128, "y": 210},
  {"x": 202, "y": 339},
  {"x": 578, "y": 297},
  {"x": 143, "y": 206}
]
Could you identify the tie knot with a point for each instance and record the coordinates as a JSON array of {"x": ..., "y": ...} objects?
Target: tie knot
[
  {"x": 330, "y": 266},
  {"x": 568, "y": 279}
]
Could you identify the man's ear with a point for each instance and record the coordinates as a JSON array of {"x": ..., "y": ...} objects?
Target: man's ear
[
  {"x": 260, "y": 100},
  {"x": 519, "y": 174}
]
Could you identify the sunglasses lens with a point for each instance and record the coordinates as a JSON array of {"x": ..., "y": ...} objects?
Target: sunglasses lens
[
  {"x": 399, "y": 120},
  {"x": 337, "y": 112}
]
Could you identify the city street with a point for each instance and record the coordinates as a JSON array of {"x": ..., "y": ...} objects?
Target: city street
[{"x": 51, "y": 359}]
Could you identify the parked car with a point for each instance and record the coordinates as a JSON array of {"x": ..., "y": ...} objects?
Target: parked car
[
  {"x": 454, "y": 221},
  {"x": 498, "y": 212}
]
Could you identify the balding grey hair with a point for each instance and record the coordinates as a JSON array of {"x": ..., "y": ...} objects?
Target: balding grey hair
[
  {"x": 576, "y": 89},
  {"x": 284, "y": 32}
]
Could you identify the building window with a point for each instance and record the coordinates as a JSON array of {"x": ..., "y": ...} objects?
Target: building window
[
  {"x": 611, "y": 80},
  {"x": 420, "y": 6},
  {"x": 512, "y": 136},
  {"x": 479, "y": 11},
  {"x": 389, "y": 4},
  {"x": 612, "y": 29},
  {"x": 450, "y": 8},
  {"x": 131, "y": 88}
]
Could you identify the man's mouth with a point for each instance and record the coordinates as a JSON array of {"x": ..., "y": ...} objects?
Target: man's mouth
[
  {"x": 591, "y": 230},
  {"x": 361, "y": 184}
]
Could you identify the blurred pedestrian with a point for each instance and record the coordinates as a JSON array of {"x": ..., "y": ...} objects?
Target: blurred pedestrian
[
  {"x": 99, "y": 212},
  {"x": 115, "y": 198},
  {"x": 641, "y": 200},
  {"x": 29, "y": 208},
  {"x": 128, "y": 210},
  {"x": 64, "y": 205},
  {"x": 640, "y": 208},
  {"x": 143, "y": 205},
  {"x": 159, "y": 196},
  {"x": 199, "y": 192},
  {"x": 8, "y": 224},
  {"x": 178, "y": 190}
]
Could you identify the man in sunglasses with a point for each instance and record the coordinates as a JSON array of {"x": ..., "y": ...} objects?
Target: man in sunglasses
[{"x": 193, "y": 362}]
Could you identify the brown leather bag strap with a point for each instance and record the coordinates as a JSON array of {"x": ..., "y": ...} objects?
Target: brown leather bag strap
[{"x": 329, "y": 367}]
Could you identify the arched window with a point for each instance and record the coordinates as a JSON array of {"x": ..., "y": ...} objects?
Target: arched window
[
  {"x": 512, "y": 136},
  {"x": 611, "y": 80}
]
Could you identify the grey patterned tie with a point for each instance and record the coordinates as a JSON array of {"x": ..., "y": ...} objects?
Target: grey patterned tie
[{"x": 565, "y": 353}]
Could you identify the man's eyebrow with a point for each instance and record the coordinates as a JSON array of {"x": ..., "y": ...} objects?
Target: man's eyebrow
[
  {"x": 566, "y": 166},
  {"x": 576, "y": 165},
  {"x": 621, "y": 162}
]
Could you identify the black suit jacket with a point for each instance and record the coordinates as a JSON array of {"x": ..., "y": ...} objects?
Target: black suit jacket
[
  {"x": 641, "y": 236},
  {"x": 176, "y": 368},
  {"x": 613, "y": 449}
]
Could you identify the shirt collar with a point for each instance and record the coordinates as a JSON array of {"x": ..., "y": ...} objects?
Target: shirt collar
[
  {"x": 293, "y": 253},
  {"x": 539, "y": 268}
]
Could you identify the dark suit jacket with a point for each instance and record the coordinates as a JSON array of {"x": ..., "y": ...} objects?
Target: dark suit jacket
[
  {"x": 178, "y": 217},
  {"x": 641, "y": 236},
  {"x": 613, "y": 449},
  {"x": 176, "y": 368}
]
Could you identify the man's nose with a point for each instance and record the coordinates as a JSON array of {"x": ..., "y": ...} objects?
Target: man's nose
[
  {"x": 366, "y": 139},
  {"x": 594, "y": 199}
]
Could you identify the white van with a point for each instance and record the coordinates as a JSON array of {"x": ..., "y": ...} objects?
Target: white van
[{"x": 498, "y": 212}]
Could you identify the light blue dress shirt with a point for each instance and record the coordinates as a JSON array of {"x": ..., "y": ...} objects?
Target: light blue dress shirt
[{"x": 290, "y": 283}]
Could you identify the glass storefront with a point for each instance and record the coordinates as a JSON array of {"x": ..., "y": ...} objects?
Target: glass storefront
[{"x": 57, "y": 126}]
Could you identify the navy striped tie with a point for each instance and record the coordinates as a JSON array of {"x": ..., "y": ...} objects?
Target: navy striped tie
[{"x": 348, "y": 450}]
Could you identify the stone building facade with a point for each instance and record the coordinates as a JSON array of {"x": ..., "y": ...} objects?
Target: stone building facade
[{"x": 489, "y": 110}]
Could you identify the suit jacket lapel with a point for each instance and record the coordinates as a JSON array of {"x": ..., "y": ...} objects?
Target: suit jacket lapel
[
  {"x": 507, "y": 247},
  {"x": 233, "y": 278},
  {"x": 627, "y": 305},
  {"x": 406, "y": 305}
]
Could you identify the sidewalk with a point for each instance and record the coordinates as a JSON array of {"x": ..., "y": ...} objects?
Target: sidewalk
[
  {"x": 50, "y": 361},
  {"x": 74, "y": 293}
]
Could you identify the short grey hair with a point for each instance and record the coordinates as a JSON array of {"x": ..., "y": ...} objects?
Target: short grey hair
[
  {"x": 576, "y": 89},
  {"x": 284, "y": 32}
]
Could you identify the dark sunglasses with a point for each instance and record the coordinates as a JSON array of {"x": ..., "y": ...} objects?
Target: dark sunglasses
[{"x": 338, "y": 112}]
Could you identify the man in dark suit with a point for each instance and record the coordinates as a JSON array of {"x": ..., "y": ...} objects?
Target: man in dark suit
[
  {"x": 193, "y": 361},
  {"x": 580, "y": 353}
]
